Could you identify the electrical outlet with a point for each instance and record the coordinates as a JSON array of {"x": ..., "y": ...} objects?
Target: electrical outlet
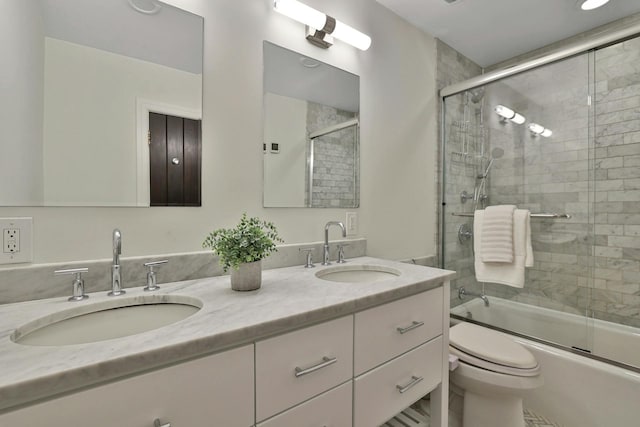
[
  {"x": 16, "y": 240},
  {"x": 11, "y": 240},
  {"x": 352, "y": 223}
]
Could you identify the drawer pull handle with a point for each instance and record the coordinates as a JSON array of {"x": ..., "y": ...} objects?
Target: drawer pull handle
[
  {"x": 157, "y": 423},
  {"x": 414, "y": 380},
  {"x": 326, "y": 361},
  {"x": 413, "y": 325}
]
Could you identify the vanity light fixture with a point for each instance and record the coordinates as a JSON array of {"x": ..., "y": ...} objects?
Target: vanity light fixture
[
  {"x": 591, "y": 4},
  {"x": 507, "y": 113},
  {"x": 322, "y": 28},
  {"x": 537, "y": 129}
]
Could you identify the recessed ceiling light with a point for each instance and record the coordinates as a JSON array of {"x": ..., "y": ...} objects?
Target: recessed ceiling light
[
  {"x": 592, "y": 4},
  {"x": 308, "y": 62},
  {"x": 148, "y": 7}
]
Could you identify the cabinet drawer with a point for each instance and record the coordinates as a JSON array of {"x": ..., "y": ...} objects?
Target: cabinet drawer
[
  {"x": 215, "y": 390},
  {"x": 331, "y": 409},
  {"x": 296, "y": 366},
  {"x": 377, "y": 393},
  {"x": 384, "y": 332}
]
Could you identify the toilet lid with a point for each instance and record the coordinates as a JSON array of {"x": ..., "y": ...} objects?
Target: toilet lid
[{"x": 490, "y": 346}]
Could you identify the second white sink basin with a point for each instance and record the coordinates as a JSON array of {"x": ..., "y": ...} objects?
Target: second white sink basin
[
  {"x": 106, "y": 320},
  {"x": 357, "y": 273}
]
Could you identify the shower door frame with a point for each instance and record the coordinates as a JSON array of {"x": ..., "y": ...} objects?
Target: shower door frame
[
  {"x": 588, "y": 47},
  {"x": 310, "y": 158},
  {"x": 556, "y": 55}
]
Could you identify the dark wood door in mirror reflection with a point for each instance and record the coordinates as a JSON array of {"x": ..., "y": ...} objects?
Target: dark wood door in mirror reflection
[{"x": 174, "y": 160}]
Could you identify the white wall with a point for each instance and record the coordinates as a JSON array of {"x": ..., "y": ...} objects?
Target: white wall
[
  {"x": 90, "y": 113},
  {"x": 285, "y": 123},
  {"x": 398, "y": 141},
  {"x": 21, "y": 90}
]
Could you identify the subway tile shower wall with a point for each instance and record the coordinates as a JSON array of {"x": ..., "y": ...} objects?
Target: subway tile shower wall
[
  {"x": 589, "y": 168},
  {"x": 335, "y": 155},
  {"x": 453, "y": 67}
]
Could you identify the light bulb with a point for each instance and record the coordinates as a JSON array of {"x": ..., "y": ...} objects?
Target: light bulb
[
  {"x": 592, "y": 4},
  {"x": 301, "y": 13},
  {"x": 508, "y": 113},
  {"x": 505, "y": 112},
  {"x": 536, "y": 128},
  {"x": 518, "y": 118},
  {"x": 351, "y": 35},
  {"x": 317, "y": 20}
]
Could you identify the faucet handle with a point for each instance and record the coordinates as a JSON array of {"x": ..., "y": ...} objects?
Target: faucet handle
[
  {"x": 76, "y": 271},
  {"x": 341, "y": 247},
  {"x": 151, "y": 274},
  {"x": 309, "y": 262},
  {"x": 78, "y": 282},
  {"x": 153, "y": 264}
]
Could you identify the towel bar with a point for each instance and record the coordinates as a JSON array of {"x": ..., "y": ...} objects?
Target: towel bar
[{"x": 533, "y": 215}]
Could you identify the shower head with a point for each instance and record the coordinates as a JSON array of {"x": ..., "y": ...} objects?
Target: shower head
[
  {"x": 476, "y": 94},
  {"x": 497, "y": 152}
]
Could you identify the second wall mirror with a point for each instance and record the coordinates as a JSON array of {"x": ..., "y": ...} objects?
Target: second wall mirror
[{"x": 311, "y": 139}]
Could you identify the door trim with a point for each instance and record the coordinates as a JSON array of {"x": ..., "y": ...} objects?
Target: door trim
[{"x": 143, "y": 108}]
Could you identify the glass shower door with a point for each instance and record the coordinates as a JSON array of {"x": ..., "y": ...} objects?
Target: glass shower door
[
  {"x": 332, "y": 178},
  {"x": 616, "y": 293},
  {"x": 535, "y": 152}
]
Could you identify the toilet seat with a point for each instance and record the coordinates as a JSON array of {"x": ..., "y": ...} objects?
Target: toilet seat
[{"x": 491, "y": 350}]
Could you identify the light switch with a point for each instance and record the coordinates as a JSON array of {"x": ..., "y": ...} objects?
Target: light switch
[{"x": 352, "y": 223}]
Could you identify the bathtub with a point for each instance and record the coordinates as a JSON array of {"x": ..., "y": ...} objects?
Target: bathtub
[{"x": 578, "y": 391}]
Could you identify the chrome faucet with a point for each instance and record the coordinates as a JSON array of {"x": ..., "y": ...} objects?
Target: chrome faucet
[
  {"x": 325, "y": 256},
  {"x": 116, "y": 282},
  {"x": 462, "y": 292},
  {"x": 78, "y": 282}
]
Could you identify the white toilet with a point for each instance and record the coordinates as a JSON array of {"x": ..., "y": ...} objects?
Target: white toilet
[{"x": 493, "y": 373}]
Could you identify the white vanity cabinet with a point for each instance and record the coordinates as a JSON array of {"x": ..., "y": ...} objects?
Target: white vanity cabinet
[
  {"x": 387, "y": 331},
  {"x": 398, "y": 356},
  {"x": 358, "y": 370},
  {"x": 215, "y": 390},
  {"x": 392, "y": 387},
  {"x": 299, "y": 365},
  {"x": 330, "y": 409}
]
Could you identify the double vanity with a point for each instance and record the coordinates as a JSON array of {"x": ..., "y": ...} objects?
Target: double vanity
[{"x": 347, "y": 345}]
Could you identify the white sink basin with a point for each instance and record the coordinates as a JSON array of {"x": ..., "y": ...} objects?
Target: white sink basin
[
  {"x": 357, "y": 273},
  {"x": 106, "y": 320}
]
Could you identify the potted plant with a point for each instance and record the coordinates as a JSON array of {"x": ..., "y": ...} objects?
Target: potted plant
[{"x": 242, "y": 249}]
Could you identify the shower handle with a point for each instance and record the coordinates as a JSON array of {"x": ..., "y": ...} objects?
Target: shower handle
[
  {"x": 465, "y": 233},
  {"x": 464, "y": 196}
]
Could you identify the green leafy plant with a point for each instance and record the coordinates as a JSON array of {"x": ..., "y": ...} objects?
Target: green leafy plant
[{"x": 251, "y": 240}]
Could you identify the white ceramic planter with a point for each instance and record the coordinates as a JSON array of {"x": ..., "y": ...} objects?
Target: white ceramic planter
[{"x": 248, "y": 277}]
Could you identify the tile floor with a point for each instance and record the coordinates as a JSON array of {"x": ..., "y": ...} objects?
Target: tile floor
[
  {"x": 531, "y": 419},
  {"x": 418, "y": 416}
]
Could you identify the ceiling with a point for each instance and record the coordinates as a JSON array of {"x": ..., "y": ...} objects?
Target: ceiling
[
  {"x": 170, "y": 37},
  {"x": 491, "y": 31},
  {"x": 291, "y": 74}
]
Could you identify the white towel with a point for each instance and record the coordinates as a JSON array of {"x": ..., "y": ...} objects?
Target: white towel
[
  {"x": 497, "y": 234},
  {"x": 505, "y": 274}
]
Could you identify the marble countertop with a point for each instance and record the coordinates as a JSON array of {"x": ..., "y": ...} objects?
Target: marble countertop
[{"x": 289, "y": 298}]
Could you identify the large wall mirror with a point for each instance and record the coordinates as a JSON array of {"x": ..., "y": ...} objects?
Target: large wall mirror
[
  {"x": 104, "y": 104},
  {"x": 311, "y": 132}
]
